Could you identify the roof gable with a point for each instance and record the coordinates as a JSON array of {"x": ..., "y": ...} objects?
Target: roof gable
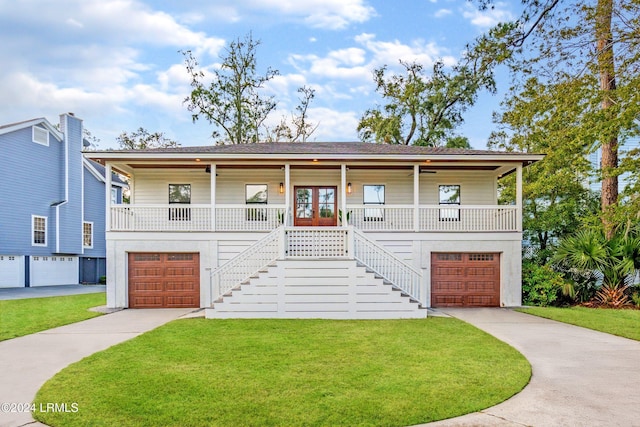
[{"x": 12, "y": 127}]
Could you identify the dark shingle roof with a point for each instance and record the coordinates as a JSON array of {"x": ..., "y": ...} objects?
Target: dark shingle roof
[{"x": 320, "y": 148}]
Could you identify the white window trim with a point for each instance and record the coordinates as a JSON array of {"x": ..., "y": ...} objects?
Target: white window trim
[
  {"x": 33, "y": 230},
  {"x": 83, "y": 224},
  {"x": 114, "y": 196},
  {"x": 33, "y": 135}
]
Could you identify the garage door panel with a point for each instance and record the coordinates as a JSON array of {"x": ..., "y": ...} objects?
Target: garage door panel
[
  {"x": 447, "y": 301},
  {"x": 180, "y": 271},
  {"x": 465, "y": 279},
  {"x": 146, "y": 286},
  {"x": 181, "y": 286},
  {"x": 481, "y": 301},
  {"x": 447, "y": 286},
  {"x": 481, "y": 286},
  {"x": 141, "y": 301},
  {"x": 481, "y": 271},
  {"x": 140, "y": 272},
  {"x": 181, "y": 301},
  {"x": 163, "y": 280}
]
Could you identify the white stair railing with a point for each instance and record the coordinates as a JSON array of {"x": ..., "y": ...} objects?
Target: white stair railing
[
  {"x": 385, "y": 264},
  {"x": 246, "y": 264}
]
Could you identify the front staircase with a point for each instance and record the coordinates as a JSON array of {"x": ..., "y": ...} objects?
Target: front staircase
[
  {"x": 325, "y": 288},
  {"x": 303, "y": 274}
]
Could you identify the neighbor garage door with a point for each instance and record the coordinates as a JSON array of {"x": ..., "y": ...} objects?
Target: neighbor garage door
[
  {"x": 465, "y": 280},
  {"x": 164, "y": 280}
]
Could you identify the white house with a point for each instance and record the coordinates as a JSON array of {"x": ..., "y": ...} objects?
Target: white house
[{"x": 331, "y": 230}]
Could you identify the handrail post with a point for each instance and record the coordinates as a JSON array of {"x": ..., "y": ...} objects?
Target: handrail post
[
  {"x": 351, "y": 243},
  {"x": 282, "y": 243}
]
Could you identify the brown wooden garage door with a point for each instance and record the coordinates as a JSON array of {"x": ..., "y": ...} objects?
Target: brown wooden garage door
[
  {"x": 164, "y": 280},
  {"x": 465, "y": 280}
]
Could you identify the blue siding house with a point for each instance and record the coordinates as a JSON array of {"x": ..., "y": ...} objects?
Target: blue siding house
[{"x": 52, "y": 218}]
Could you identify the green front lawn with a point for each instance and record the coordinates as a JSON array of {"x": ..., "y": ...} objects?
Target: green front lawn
[
  {"x": 26, "y": 316},
  {"x": 624, "y": 323},
  {"x": 199, "y": 372}
]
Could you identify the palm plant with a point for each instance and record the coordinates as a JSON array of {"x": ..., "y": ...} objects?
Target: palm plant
[{"x": 588, "y": 253}]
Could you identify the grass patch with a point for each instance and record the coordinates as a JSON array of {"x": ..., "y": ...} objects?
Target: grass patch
[
  {"x": 198, "y": 372},
  {"x": 624, "y": 323},
  {"x": 29, "y": 315}
]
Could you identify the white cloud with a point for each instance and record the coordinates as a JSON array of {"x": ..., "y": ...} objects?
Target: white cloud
[
  {"x": 485, "y": 19},
  {"x": 327, "y": 14},
  {"x": 442, "y": 13},
  {"x": 390, "y": 52},
  {"x": 334, "y": 125},
  {"x": 324, "y": 14}
]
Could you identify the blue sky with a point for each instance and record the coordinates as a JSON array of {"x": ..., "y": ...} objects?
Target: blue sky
[{"x": 116, "y": 63}]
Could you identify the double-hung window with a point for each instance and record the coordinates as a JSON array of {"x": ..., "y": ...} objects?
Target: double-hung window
[
  {"x": 449, "y": 196},
  {"x": 179, "y": 194},
  {"x": 256, "y": 194},
  {"x": 373, "y": 195},
  {"x": 38, "y": 230},
  {"x": 87, "y": 234}
]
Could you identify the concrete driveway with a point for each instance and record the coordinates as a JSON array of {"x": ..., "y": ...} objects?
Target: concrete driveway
[
  {"x": 28, "y": 362},
  {"x": 580, "y": 377},
  {"x": 49, "y": 291}
]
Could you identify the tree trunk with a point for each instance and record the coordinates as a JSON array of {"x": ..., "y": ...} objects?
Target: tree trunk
[{"x": 609, "y": 140}]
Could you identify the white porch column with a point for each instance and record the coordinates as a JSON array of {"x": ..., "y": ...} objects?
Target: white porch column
[
  {"x": 287, "y": 193},
  {"x": 107, "y": 196},
  {"x": 213, "y": 196},
  {"x": 416, "y": 198},
  {"x": 343, "y": 194},
  {"x": 519, "y": 197}
]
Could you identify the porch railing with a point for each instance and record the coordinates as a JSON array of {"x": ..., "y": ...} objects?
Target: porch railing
[
  {"x": 318, "y": 242},
  {"x": 161, "y": 217},
  {"x": 255, "y": 217},
  {"x": 468, "y": 218},
  {"x": 264, "y": 218},
  {"x": 381, "y": 217},
  {"x": 387, "y": 265}
]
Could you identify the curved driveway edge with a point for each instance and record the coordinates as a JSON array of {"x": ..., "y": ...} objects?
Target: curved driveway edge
[
  {"x": 580, "y": 377},
  {"x": 28, "y": 362}
]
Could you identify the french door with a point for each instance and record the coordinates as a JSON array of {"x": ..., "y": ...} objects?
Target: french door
[{"x": 315, "y": 206}]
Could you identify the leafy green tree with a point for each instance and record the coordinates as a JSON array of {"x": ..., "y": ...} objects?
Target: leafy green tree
[
  {"x": 141, "y": 139},
  {"x": 587, "y": 54},
  {"x": 556, "y": 193},
  {"x": 299, "y": 129},
  {"x": 233, "y": 101},
  {"x": 425, "y": 110},
  {"x": 458, "y": 141}
]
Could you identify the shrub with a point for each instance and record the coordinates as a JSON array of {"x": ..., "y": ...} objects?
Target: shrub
[
  {"x": 635, "y": 298},
  {"x": 541, "y": 285}
]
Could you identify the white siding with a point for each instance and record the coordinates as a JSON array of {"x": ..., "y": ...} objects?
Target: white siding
[
  {"x": 229, "y": 249},
  {"x": 152, "y": 185},
  {"x": 476, "y": 188},
  {"x": 230, "y": 184},
  {"x": 398, "y": 185}
]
